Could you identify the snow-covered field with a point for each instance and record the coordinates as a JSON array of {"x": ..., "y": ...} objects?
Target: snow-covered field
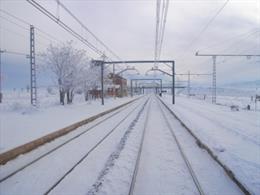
[
  {"x": 20, "y": 122},
  {"x": 241, "y": 97},
  {"x": 234, "y": 136}
]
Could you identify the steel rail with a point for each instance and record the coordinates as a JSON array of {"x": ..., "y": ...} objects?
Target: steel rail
[
  {"x": 188, "y": 164},
  {"x": 90, "y": 151},
  {"x": 64, "y": 143},
  {"x": 131, "y": 189},
  {"x": 227, "y": 170}
]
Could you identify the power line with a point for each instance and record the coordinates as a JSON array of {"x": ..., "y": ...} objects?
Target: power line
[
  {"x": 157, "y": 29},
  {"x": 50, "y": 37},
  {"x": 13, "y": 16},
  {"x": 243, "y": 36},
  {"x": 204, "y": 28},
  {"x": 8, "y": 20},
  {"x": 209, "y": 22},
  {"x": 27, "y": 23},
  {"x": 87, "y": 29},
  {"x": 23, "y": 36},
  {"x": 246, "y": 34},
  {"x": 163, "y": 27},
  {"x": 11, "y": 31},
  {"x": 161, "y": 15},
  {"x": 15, "y": 53},
  {"x": 64, "y": 26}
]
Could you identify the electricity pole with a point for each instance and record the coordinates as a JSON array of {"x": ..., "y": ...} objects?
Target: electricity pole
[
  {"x": 214, "y": 73},
  {"x": 33, "y": 67},
  {"x": 188, "y": 84},
  {"x": 1, "y": 94}
]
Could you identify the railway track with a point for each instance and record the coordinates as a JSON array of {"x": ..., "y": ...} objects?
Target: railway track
[
  {"x": 45, "y": 154},
  {"x": 161, "y": 180},
  {"x": 11, "y": 182},
  {"x": 202, "y": 145}
]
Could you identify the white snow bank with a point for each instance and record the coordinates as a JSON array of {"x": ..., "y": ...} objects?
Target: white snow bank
[
  {"x": 233, "y": 136},
  {"x": 20, "y": 122}
]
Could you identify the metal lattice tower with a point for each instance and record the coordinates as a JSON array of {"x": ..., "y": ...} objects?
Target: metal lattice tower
[
  {"x": 33, "y": 67},
  {"x": 214, "y": 81}
]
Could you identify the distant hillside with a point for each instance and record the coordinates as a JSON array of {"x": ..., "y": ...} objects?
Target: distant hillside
[{"x": 244, "y": 85}]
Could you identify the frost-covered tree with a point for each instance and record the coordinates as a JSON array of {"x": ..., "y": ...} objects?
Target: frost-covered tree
[
  {"x": 66, "y": 63},
  {"x": 91, "y": 76}
]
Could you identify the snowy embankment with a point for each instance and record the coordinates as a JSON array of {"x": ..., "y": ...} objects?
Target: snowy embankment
[
  {"x": 233, "y": 136},
  {"x": 21, "y": 123}
]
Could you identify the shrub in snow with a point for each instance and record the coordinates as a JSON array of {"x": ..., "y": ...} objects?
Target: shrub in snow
[
  {"x": 16, "y": 106},
  {"x": 50, "y": 90},
  {"x": 234, "y": 108}
]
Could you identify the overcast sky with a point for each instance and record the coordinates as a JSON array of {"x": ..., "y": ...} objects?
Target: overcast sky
[{"x": 128, "y": 28}]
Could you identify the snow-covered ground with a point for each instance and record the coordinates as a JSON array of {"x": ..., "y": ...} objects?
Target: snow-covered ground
[
  {"x": 95, "y": 145},
  {"x": 20, "y": 122},
  {"x": 234, "y": 136},
  {"x": 103, "y": 159},
  {"x": 239, "y": 97}
]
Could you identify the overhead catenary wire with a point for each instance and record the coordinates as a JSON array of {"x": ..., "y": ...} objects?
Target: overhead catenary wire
[
  {"x": 13, "y": 16},
  {"x": 208, "y": 24},
  {"x": 27, "y": 24},
  {"x": 242, "y": 35},
  {"x": 18, "y": 53},
  {"x": 88, "y": 30},
  {"x": 65, "y": 26},
  {"x": 10, "y": 21},
  {"x": 157, "y": 28},
  {"x": 14, "y": 32},
  {"x": 163, "y": 27},
  {"x": 204, "y": 28},
  {"x": 161, "y": 15}
]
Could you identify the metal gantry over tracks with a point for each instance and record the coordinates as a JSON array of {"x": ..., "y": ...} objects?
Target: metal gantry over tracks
[{"x": 102, "y": 63}]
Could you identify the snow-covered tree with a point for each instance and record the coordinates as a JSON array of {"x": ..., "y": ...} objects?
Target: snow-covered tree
[
  {"x": 90, "y": 77},
  {"x": 66, "y": 63}
]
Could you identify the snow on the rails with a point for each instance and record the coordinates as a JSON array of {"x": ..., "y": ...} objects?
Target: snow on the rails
[
  {"x": 161, "y": 169},
  {"x": 115, "y": 178},
  {"x": 234, "y": 136},
  {"x": 21, "y": 123}
]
